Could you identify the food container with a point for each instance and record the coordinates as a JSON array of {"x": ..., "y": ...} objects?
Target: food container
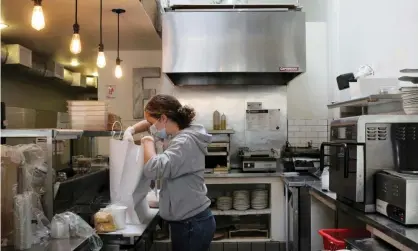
[
  {"x": 216, "y": 120},
  {"x": 119, "y": 215},
  {"x": 223, "y": 122}
]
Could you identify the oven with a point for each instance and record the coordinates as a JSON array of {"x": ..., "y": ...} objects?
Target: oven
[{"x": 358, "y": 148}]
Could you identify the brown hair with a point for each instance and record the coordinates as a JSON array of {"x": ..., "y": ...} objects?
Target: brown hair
[{"x": 170, "y": 107}]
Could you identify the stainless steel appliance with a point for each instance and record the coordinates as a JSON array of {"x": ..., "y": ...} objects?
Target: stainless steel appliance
[
  {"x": 259, "y": 161},
  {"x": 237, "y": 45},
  {"x": 397, "y": 196},
  {"x": 405, "y": 145},
  {"x": 361, "y": 146},
  {"x": 300, "y": 158}
]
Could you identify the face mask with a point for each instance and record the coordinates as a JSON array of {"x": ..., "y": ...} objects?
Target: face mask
[{"x": 161, "y": 134}]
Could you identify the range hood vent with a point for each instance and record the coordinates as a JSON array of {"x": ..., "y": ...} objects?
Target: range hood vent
[
  {"x": 233, "y": 47},
  {"x": 231, "y": 78}
]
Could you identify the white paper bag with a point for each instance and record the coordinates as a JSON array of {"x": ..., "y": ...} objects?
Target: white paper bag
[
  {"x": 130, "y": 187},
  {"x": 117, "y": 155}
]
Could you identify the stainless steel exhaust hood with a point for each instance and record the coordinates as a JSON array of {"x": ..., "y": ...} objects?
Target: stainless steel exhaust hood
[{"x": 231, "y": 47}]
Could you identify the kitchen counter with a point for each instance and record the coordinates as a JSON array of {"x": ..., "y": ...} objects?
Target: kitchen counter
[
  {"x": 133, "y": 237},
  {"x": 407, "y": 236},
  {"x": 301, "y": 180},
  {"x": 58, "y": 245}
]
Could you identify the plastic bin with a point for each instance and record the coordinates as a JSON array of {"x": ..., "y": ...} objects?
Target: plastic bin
[{"x": 334, "y": 239}]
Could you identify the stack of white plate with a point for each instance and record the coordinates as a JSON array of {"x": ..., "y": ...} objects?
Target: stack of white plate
[
  {"x": 259, "y": 199},
  {"x": 241, "y": 200},
  {"x": 224, "y": 203},
  {"x": 410, "y": 99}
]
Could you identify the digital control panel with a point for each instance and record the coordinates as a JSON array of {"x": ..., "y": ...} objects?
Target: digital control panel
[
  {"x": 396, "y": 213},
  {"x": 249, "y": 164}
]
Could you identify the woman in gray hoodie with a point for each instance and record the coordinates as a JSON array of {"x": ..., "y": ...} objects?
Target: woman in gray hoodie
[{"x": 183, "y": 200}]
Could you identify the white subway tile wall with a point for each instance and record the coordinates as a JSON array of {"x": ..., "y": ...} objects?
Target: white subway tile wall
[{"x": 302, "y": 131}]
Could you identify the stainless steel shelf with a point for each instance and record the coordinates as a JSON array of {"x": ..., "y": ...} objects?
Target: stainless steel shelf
[
  {"x": 101, "y": 133},
  {"x": 366, "y": 101},
  {"x": 58, "y": 134},
  {"x": 217, "y": 154},
  {"x": 227, "y": 131}
]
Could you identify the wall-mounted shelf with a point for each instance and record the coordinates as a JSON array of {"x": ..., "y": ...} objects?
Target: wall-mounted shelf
[
  {"x": 31, "y": 76},
  {"x": 101, "y": 133},
  {"x": 366, "y": 101},
  {"x": 227, "y": 131},
  {"x": 57, "y": 134}
]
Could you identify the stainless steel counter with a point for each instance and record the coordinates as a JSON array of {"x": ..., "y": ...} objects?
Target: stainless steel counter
[
  {"x": 301, "y": 180},
  {"x": 407, "y": 236},
  {"x": 58, "y": 245},
  {"x": 369, "y": 244}
]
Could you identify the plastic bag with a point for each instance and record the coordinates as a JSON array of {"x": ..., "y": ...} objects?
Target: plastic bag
[
  {"x": 77, "y": 228},
  {"x": 40, "y": 230}
]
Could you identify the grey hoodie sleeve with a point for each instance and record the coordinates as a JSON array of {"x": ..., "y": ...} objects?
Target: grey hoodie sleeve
[{"x": 169, "y": 163}]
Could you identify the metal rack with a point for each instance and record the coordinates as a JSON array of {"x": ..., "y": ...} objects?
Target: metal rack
[
  {"x": 51, "y": 135},
  {"x": 366, "y": 101},
  {"x": 372, "y": 104},
  {"x": 224, "y": 145}
]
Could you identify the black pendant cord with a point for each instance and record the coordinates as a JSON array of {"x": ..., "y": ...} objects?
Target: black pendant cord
[
  {"x": 37, "y": 2},
  {"x": 76, "y": 27},
  {"x": 76, "y": 11},
  {"x": 101, "y": 31},
  {"x": 118, "y": 34},
  {"x": 118, "y": 12}
]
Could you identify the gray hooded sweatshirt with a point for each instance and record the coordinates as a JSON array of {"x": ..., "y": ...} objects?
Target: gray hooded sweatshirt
[{"x": 181, "y": 167}]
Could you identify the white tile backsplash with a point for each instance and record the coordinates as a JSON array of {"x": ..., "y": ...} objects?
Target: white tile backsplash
[
  {"x": 300, "y": 122},
  {"x": 293, "y": 128},
  {"x": 323, "y": 134},
  {"x": 305, "y": 128},
  {"x": 312, "y": 134},
  {"x": 302, "y": 131}
]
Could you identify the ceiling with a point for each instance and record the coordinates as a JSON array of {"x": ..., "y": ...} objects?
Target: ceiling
[{"x": 136, "y": 28}]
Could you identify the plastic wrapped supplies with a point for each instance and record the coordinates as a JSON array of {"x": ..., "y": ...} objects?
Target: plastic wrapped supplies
[
  {"x": 70, "y": 225},
  {"x": 23, "y": 177},
  {"x": 23, "y": 221}
]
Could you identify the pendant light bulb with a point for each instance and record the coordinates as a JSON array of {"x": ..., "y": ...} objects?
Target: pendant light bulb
[
  {"x": 38, "y": 19},
  {"x": 101, "y": 58},
  {"x": 118, "y": 69},
  {"x": 75, "y": 46}
]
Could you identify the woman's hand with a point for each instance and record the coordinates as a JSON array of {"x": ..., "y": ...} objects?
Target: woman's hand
[
  {"x": 129, "y": 134},
  {"x": 149, "y": 148},
  {"x": 141, "y": 126}
]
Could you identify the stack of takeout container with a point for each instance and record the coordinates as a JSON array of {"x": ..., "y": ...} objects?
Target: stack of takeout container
[{"x": 88, "y": 115}]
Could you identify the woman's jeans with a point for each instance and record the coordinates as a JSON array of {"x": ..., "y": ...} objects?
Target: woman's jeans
[{"x": 193, "y": 234}]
